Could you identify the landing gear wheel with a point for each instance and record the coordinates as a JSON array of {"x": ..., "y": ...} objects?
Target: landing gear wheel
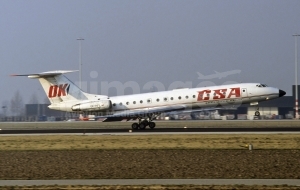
[
  {"x": 135, "y": 126},
  {"x": 151, "y": 125},
  {"x": 257, "y": 113},
  {"x": 142, "y": 126},
  {"x": 145, "y": 122}
]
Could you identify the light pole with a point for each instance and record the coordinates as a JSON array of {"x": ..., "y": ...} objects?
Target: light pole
[
  {"x": 80, "y": 61},
  {"x": 296, "y": 76}
]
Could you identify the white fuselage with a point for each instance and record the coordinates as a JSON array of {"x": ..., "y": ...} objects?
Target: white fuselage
[{"x": 194, "y": 98}]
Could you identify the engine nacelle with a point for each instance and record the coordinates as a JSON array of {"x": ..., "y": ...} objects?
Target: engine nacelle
[{"x": 99, "y": 105}]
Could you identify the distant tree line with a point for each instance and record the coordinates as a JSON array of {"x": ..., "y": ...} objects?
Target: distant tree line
[{"x": 16, "y": 105}]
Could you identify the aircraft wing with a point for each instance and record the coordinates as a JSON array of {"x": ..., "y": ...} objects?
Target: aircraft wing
[
  {"x": 134, "y": 114},
  {"x": 195, "y": 110}
]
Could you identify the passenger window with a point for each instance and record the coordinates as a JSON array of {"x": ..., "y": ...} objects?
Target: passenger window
[
  {"x": 179, "y": 97},
  {"x": 127, "y": 103},
  {"x": 141, "y": 101},
  {"x": 186, "y": 97},
  {"x": 165, "y": 99},
  {"x": 171, "y": 98},
  {"x": 157, "y": 100},
  {"x": 134, "y": 102},
  {"x": 114, "y": 104},
  {"x": 194, "y": 96},
  {"x": 149, "y": 100}
]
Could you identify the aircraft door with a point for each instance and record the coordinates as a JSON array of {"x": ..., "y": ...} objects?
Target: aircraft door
[{"x": 244, "y": 92}]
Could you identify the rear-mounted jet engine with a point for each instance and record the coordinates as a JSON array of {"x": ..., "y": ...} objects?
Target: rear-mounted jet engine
[{"x": 92, "y": 106}]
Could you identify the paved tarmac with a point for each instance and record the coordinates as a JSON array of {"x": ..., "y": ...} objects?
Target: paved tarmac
[
  {"x": 159, "y": 124},
  {"x": 186, "y": 126},
  {"x": 294, "y": 182},
  {"x": 149, "y": 131}
]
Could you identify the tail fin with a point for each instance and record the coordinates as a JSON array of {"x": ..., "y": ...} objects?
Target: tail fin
[{"x": 58, "y": 87}]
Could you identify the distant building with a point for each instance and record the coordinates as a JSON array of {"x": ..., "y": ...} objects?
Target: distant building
[
  {"x": 283, "y": 106},
  {"x": 38, "y": 111}
]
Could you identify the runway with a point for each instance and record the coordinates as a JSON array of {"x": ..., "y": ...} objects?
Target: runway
[
  {"x": 149, "y": 131},
  {"x": 293, "y": 182},
  {"x": 190, "y": 126},
  {"x": 159, "y": 124}
]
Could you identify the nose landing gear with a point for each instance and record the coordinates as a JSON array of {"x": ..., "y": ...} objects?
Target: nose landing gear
[{"x": 257, "y": 113}]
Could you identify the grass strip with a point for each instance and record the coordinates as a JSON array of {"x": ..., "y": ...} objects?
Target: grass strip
[
  {"x": 182, "y": 141},
  {"x": 153, "y": 187}
]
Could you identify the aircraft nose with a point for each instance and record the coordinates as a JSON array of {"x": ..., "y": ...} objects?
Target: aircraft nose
[{"x": 281, "y": 93}]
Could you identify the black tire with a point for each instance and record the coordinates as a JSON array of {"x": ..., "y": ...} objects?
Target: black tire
[
  {"x": 257, "y": 113},
  {"x": 145, "y": 122},
  {"x": 135, "y": 126},
  {"x": 142, "y": 126},
  {"x": 152, "y": 125}
]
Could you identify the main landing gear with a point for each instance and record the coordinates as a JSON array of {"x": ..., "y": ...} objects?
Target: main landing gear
[{"x": 142, "y": 124}]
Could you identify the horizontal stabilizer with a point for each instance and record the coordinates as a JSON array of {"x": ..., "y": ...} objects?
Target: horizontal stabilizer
[{"x": 46, "y": 74}]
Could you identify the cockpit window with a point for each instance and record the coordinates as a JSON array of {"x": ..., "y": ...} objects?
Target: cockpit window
[{"x": 262, "y": 85}]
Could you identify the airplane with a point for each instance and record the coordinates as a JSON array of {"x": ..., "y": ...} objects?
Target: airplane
[
  {"x": 218, "y": 74},
  {"x": 64, "y": 95}
]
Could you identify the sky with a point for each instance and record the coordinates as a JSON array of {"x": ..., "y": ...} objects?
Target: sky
[{"x": 147, "y": 42}]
